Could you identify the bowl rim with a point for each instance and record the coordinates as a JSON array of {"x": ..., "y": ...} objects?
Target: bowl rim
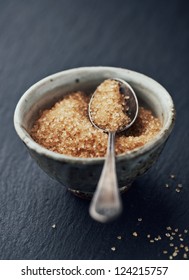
[{"x": 154, "y": 143}]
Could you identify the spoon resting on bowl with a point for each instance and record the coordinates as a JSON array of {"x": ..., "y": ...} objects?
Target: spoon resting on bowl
[{"x": 113, "y": 108}]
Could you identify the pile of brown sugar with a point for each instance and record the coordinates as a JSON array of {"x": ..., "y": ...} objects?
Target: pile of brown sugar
[
  {"x": 110, "y": 113},
  {"x": 66, "y": 129}
]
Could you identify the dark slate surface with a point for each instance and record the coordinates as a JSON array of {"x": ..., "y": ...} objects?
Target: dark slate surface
[{"x": 38, "y": 38}]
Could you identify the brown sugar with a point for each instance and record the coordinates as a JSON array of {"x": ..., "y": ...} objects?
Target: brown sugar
[
  {"x": 66, "y": 129},
  {"x": 109, "y": 114}
]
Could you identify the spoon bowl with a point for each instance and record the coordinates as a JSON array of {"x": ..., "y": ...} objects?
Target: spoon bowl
[{"x": 106, "y": 204}]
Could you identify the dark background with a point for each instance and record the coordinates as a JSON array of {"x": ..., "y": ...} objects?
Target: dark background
[{"x": 38, "y": 38}]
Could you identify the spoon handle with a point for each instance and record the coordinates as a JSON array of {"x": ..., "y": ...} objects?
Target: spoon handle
[{"x": 106, "y": 203}]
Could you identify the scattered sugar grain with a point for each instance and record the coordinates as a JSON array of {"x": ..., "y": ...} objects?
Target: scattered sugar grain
[
  {"x": 176, "y": 249},
  {"x": 119, "y": 237},
  {"x": 113, "y": 248},
  {"x": 135, "y": 234},
  {"x": 186, "y": 248},
  {"x": 168, "y": 228},
  {"x": 185, "y": 256}
]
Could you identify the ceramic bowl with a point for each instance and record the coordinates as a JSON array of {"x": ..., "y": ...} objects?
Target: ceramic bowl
[{"x": 81, "y": 175}]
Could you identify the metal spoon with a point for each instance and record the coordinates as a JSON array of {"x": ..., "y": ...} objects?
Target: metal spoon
[{"x": 106, "y": 204}]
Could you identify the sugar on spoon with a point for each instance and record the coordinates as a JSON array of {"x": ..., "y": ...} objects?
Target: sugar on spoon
[{"x": 106, "y": 203}]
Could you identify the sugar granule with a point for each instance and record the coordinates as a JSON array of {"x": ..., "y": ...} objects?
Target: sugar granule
[
  {"x": 119, "y": 237},
  {"x": 107, "y": 107},
  {"x": 66, "y": 129}
]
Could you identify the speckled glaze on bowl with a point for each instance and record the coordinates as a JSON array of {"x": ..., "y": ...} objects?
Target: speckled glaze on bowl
[{"x": 80, "y": 175}]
